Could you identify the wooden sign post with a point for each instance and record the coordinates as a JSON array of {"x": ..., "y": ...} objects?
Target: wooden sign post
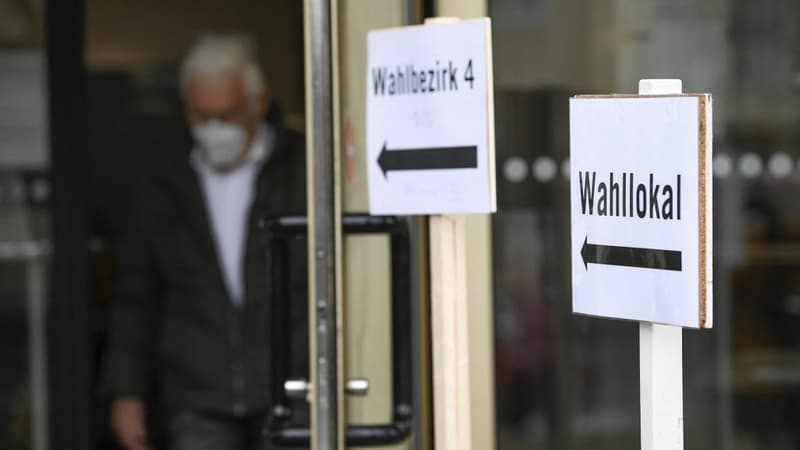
[
  {"x": 450, "y": 323},
  {"x": 641, "y": 231},
  {"x": 449, "y": 336},
  {"x": 430, "y": 131}
]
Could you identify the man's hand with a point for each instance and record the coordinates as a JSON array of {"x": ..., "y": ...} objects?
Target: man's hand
[{"x": 128, "y": 423}]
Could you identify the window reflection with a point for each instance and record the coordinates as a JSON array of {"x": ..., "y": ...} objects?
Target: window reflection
[{"x": 24, "y": 231}]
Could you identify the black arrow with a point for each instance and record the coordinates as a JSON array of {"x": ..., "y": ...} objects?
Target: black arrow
[
  {"x": 428, "y": 158},
  {"x": 647, "y": 258}
]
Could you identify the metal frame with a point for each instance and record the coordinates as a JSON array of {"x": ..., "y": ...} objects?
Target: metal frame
[
  {"x": 322, "y": 228},
  {"x": 69, "y": 340}
]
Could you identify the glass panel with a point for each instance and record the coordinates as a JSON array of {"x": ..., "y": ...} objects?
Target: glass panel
[
  {"x": 569, "y": 382},
  {"x": 24, "y": 232}
]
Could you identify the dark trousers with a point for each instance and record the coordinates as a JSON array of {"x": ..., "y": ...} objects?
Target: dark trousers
[{"x": 199, "y": 431}]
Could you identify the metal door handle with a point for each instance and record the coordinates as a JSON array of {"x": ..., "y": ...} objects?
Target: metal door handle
[
  {"x": 358, "y": 387},
  {"x": 299, "y": 388},
  {"x": 280, "y": 431},
  {"x": 296, "y": 388}
]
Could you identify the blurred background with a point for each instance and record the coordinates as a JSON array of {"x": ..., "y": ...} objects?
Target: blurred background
[
  {"x": 89, "y": 97},
  {"x": 569, "y": 382}
]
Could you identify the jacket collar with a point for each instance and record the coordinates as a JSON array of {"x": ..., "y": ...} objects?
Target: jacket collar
[{"x": 185, "y": 182}]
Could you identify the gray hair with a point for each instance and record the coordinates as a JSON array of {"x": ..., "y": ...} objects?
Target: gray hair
[{"x": 216, "y": 54}]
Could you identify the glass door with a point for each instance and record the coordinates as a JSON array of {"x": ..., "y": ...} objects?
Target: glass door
[{"x": 25, "y": 236}]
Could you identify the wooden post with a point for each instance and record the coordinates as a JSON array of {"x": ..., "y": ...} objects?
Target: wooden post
[
  {"x": 450, "y": 339},
  {"x": 449, "y": 325},
  {"x": 661, "y": 355}
]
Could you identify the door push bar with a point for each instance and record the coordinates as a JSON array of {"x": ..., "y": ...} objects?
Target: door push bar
[{"x": 279, "y": 430}]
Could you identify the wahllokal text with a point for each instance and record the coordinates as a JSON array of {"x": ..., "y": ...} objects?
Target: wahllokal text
[{"x": 623, "y": 196}]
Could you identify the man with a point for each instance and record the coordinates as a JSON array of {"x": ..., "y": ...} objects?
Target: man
[{"x": 190, "y": 313}]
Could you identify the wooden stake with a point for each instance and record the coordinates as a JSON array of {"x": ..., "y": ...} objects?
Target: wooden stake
[
  {"x": 449, "y": 325},
  {"x": 450, "y": 339}
]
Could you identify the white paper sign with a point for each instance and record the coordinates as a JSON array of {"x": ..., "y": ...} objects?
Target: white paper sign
[
  {"x": 640, "y": 198},
  {"x": 430, "y": 137}
]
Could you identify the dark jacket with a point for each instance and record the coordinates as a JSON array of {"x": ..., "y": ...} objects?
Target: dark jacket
[{"x": 173, "y": 323}]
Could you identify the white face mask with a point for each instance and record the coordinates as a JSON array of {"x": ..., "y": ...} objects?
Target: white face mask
[{"x": 221, "y": 143}]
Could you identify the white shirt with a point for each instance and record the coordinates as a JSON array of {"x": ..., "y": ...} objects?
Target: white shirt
[{"x": 228, "y": 198}]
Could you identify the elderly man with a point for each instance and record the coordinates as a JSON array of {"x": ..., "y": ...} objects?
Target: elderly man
[{"x": 191, "y": 313}]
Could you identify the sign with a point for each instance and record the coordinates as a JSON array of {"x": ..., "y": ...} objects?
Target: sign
[
  {"x": 430, "y": 119},
  {"x": 640, "y": 203}
]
